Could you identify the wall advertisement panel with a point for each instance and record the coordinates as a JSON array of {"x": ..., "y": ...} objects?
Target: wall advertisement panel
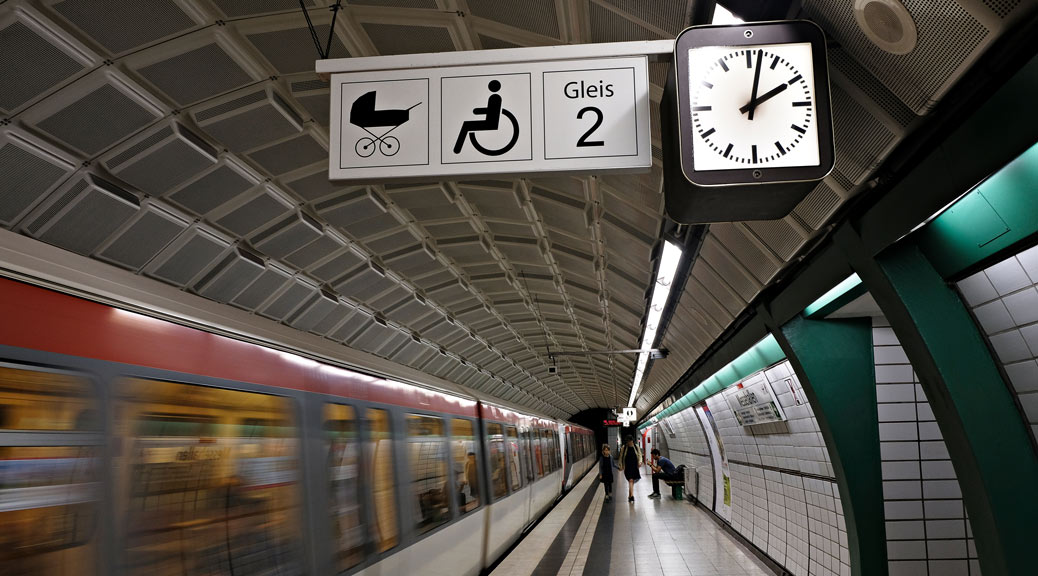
[
  {"x": 755, "y": 402},
  {"x": 722, "y": 475}
]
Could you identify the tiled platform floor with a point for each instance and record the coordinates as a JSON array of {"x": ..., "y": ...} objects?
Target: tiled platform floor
[{"x": 649, "y": 537}]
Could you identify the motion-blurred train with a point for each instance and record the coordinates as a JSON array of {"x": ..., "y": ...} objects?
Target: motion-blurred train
[{"x": 132, "y": 445}]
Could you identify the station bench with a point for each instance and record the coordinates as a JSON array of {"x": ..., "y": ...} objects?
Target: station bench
[{"x": 677, "y": 486}]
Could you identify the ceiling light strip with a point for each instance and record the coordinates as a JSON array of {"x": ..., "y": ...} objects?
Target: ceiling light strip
[
  {"x": 658, "y": 302},
  {"x": 840, "y": 289}
]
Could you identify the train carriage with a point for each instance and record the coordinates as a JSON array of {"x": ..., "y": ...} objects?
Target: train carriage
[{"x": 132, "y": 445}]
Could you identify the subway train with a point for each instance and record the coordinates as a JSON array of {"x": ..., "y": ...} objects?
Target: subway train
[{"x": 134, "y": 445}]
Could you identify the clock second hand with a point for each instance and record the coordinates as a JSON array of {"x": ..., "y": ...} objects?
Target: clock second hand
[{"x": 752, "y": 105}]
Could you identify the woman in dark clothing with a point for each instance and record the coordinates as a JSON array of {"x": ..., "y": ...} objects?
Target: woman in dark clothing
[
  {"x": 630, "y": 463},
  {"x": 605, "y": 472}
]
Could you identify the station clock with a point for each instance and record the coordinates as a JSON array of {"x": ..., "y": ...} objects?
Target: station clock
[{"x": 753, "y": 108}]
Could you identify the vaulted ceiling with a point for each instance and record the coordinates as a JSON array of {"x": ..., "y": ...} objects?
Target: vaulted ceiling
[{"x": 186, "y": 141}]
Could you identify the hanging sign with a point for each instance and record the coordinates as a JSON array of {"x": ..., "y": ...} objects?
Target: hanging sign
[{"x": 558, "y": 116}]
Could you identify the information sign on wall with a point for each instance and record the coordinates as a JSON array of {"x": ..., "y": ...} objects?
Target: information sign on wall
[
  {"x": 587, "y": 115},
  {"x": 755, "y": 403}
]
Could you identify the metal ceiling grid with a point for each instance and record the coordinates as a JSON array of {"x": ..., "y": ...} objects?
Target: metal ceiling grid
[{"x": 217, "y": 184}]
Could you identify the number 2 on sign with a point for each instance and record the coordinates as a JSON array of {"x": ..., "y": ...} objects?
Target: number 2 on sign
[{"x": 583, "y": 141}]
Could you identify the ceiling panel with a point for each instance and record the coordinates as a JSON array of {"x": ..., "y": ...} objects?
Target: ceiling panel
[{"x": 186, "y": 140}]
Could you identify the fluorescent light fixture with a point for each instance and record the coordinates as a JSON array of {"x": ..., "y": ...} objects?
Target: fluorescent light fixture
[
  {"x": 660, "y": 295},
  {"x": 722, "y": 16},
  {"x": 836, "y": 291}
]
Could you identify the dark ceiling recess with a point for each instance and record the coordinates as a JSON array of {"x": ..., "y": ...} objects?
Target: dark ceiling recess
[
  {"x": 593, "y": 418},
  {"x": 758, "y": 10}
]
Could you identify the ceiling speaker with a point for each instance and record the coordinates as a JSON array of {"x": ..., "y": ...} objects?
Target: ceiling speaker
[{"x": 887, "y": 24}]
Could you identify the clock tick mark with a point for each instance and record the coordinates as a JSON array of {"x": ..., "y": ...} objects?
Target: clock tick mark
[
  {"x": 749, "y": 59},
  {"x": 723, "y": 65},
  {"x": 802, "y": 103},
  {"x": 701, "y": 108},
  {"x": 707, "y": 84},
  {"x": 774, "y": 62},
  {"x": 779, "y": 146},
  {"x": 709, "y": 132},
  {"x": 794, "y": 80},
  {"x": 754, "y": 153},
  {"x": 728, "y": 150},
  {"x": 798, "y": 128}
]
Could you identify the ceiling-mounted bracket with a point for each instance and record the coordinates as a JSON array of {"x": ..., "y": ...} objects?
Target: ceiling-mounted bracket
[
  {"x": 327, "y": 50},
  {"x": 654, "y": 353}
]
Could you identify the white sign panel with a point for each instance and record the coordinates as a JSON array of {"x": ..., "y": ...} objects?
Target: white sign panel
[
  {"x": 381, "y": 117},
  {"x": 475, "y": 125},
  {"x": 755, "y": 403},
  {"x": 557, "y": 116}
]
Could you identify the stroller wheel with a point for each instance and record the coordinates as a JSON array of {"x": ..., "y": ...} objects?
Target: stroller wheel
[
  {"x": 365, "y": 147},
  {"x": 389, "y": 146}
]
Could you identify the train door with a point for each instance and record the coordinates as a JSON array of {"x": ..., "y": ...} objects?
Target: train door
[
  {"x": 527, "y": 458},
  {"x": 567, "y": 456}
]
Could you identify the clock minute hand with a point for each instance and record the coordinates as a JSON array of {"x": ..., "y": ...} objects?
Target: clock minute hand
[
  {"x": 752, "y": 104},
  {"x": 756, "y": 82}
]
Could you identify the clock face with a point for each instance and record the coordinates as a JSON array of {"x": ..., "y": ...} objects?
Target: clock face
[{"x": 753, "y": 107}]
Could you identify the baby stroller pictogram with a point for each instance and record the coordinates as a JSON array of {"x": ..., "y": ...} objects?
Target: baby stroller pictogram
[{"x": 363, "y": 115}]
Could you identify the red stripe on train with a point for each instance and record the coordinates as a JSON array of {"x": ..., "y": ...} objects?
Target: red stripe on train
[{"x": 42, "y": 319}]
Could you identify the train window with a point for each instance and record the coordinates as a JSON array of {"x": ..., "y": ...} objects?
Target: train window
[
  {"x": 555, "y": 449},
  {"x": 383, "y": 480},
  {"x": 527, "y": 455},
  {"x": 428, "y": 455},
  {"x": 466, "y": 465},
  {"x": 496, "y": 441},
  {"x": 48, "y": 493},
  {"x": 549, "y": 460},
  {"x": 209, "y": 470},
  {"x": 538, "y": 451},
  {"x": 552, "y": 449},
  {"x": 515, "y": 469},
  {"x": 340, "y": 427}
]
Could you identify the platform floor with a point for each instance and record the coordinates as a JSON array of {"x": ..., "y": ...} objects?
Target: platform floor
[{"x": 584, "y": 534}]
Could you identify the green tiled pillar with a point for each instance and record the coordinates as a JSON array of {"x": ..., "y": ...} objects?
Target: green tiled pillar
[
  {"x": 833, "y": 360},
  {"x": 986, "y": 439}
]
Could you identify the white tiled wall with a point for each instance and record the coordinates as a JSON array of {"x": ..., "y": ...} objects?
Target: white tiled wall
[
  {"x": 689, "y": 447},
  {"x": 1004, "y": 299},
  {"x": 928, "y": 533},
  {"x": 796, "y": 519}
]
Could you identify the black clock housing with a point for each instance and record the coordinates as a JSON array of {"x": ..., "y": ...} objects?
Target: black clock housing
[{"x": 756, "y": 35}]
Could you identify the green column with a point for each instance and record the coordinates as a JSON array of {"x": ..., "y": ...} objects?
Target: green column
[
  {"x": 833, "y": 360},
  {"x": 986, "y": 438}
]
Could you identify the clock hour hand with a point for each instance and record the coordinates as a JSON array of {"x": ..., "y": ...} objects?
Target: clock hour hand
[{"x": 752, "y": 104}]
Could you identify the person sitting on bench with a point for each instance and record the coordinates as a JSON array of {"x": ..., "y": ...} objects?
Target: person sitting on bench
[{"x": 662, "y": 469}]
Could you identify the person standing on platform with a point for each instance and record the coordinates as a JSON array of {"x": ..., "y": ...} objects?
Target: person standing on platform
[
  {"x": 605, "y": 472},
  {"x": 630, "y": 463},
  {"x": 662, "y": 468}
]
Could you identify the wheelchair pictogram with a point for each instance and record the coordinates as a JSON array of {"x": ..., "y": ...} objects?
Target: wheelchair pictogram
[
  {"x": 490, "y": 122},
  {"x": 364, "y": 115}
]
